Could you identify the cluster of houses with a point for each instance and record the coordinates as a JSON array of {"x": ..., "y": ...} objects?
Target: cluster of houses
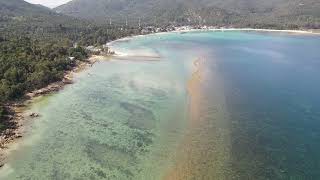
[
  {"x": 154, "y": 29},
  {"x": 102, "y": 50}
]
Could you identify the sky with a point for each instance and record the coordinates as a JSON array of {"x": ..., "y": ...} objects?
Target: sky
[{"x": 48, "y": 3}]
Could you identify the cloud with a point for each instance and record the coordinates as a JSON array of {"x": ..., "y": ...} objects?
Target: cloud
[{"x": 48, "y": 3}]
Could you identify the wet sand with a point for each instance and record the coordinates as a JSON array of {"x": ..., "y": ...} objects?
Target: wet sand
[{"x": 137, "y": 58}]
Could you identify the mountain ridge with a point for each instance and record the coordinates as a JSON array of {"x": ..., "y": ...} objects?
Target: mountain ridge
[{"x": 238, "y": 13}]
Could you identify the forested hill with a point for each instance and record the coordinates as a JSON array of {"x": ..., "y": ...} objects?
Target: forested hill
[
  {"x": 18, "y": 17},
  {"x": 12, "y": 8},
  {"x": 19, "y": 11},
  {"x": 248, "y": 13},
  {"x": 35, "y": 43}
]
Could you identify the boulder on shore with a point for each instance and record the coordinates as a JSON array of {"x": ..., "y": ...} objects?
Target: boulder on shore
[{"x": 34, "y": 115}]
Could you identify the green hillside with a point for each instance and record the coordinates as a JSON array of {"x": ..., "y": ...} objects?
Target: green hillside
[
  {"x": 244, "y": 13},
  {"x": 18, "y": 17},
  {"x": 35, "y": 43}
]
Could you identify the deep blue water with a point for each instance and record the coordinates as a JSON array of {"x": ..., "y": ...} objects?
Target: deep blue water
[{"x": 272, "y": 86}]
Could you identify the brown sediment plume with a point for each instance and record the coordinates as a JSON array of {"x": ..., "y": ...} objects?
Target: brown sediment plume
[
  {"x": 193, "y": 88},
  {"x": 204, "y": 150},
  {"x": 184, "y": 166}
]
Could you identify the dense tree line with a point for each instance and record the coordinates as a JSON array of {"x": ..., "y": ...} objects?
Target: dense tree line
[
  {"x": 81, "y": 33},
  {"x": 35, "y": 44},
  {"x": 1, "y": 114},
  {"x": 27, "y": 64},
  {"x": 32, "y": 56}
]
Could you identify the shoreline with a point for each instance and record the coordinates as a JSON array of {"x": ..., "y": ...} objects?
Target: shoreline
[
  {"x": 289, "y": 31},
  {"x": 310, "y": 32},
  {"x": 17, "y": 109},
  {"x": 315, "y": 32}
]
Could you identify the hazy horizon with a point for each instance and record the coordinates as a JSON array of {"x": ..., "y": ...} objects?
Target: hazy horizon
[{"x": 48, "y": 3}]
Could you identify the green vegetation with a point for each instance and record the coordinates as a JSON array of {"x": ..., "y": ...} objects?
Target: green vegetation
[
  {"x": 18, "y": 18},
  {"x": 276, "y": 14},
  {"x": 1, "y": 116},
  {"x": 35, "y": 46},
  {"x": 27, "y": 64}
]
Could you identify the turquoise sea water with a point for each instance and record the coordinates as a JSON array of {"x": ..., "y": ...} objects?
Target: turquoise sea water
[{"x": 253, "y": 112}]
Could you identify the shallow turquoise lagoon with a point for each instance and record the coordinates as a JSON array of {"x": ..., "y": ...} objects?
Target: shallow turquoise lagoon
[{"x": 250, "y": 110}]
